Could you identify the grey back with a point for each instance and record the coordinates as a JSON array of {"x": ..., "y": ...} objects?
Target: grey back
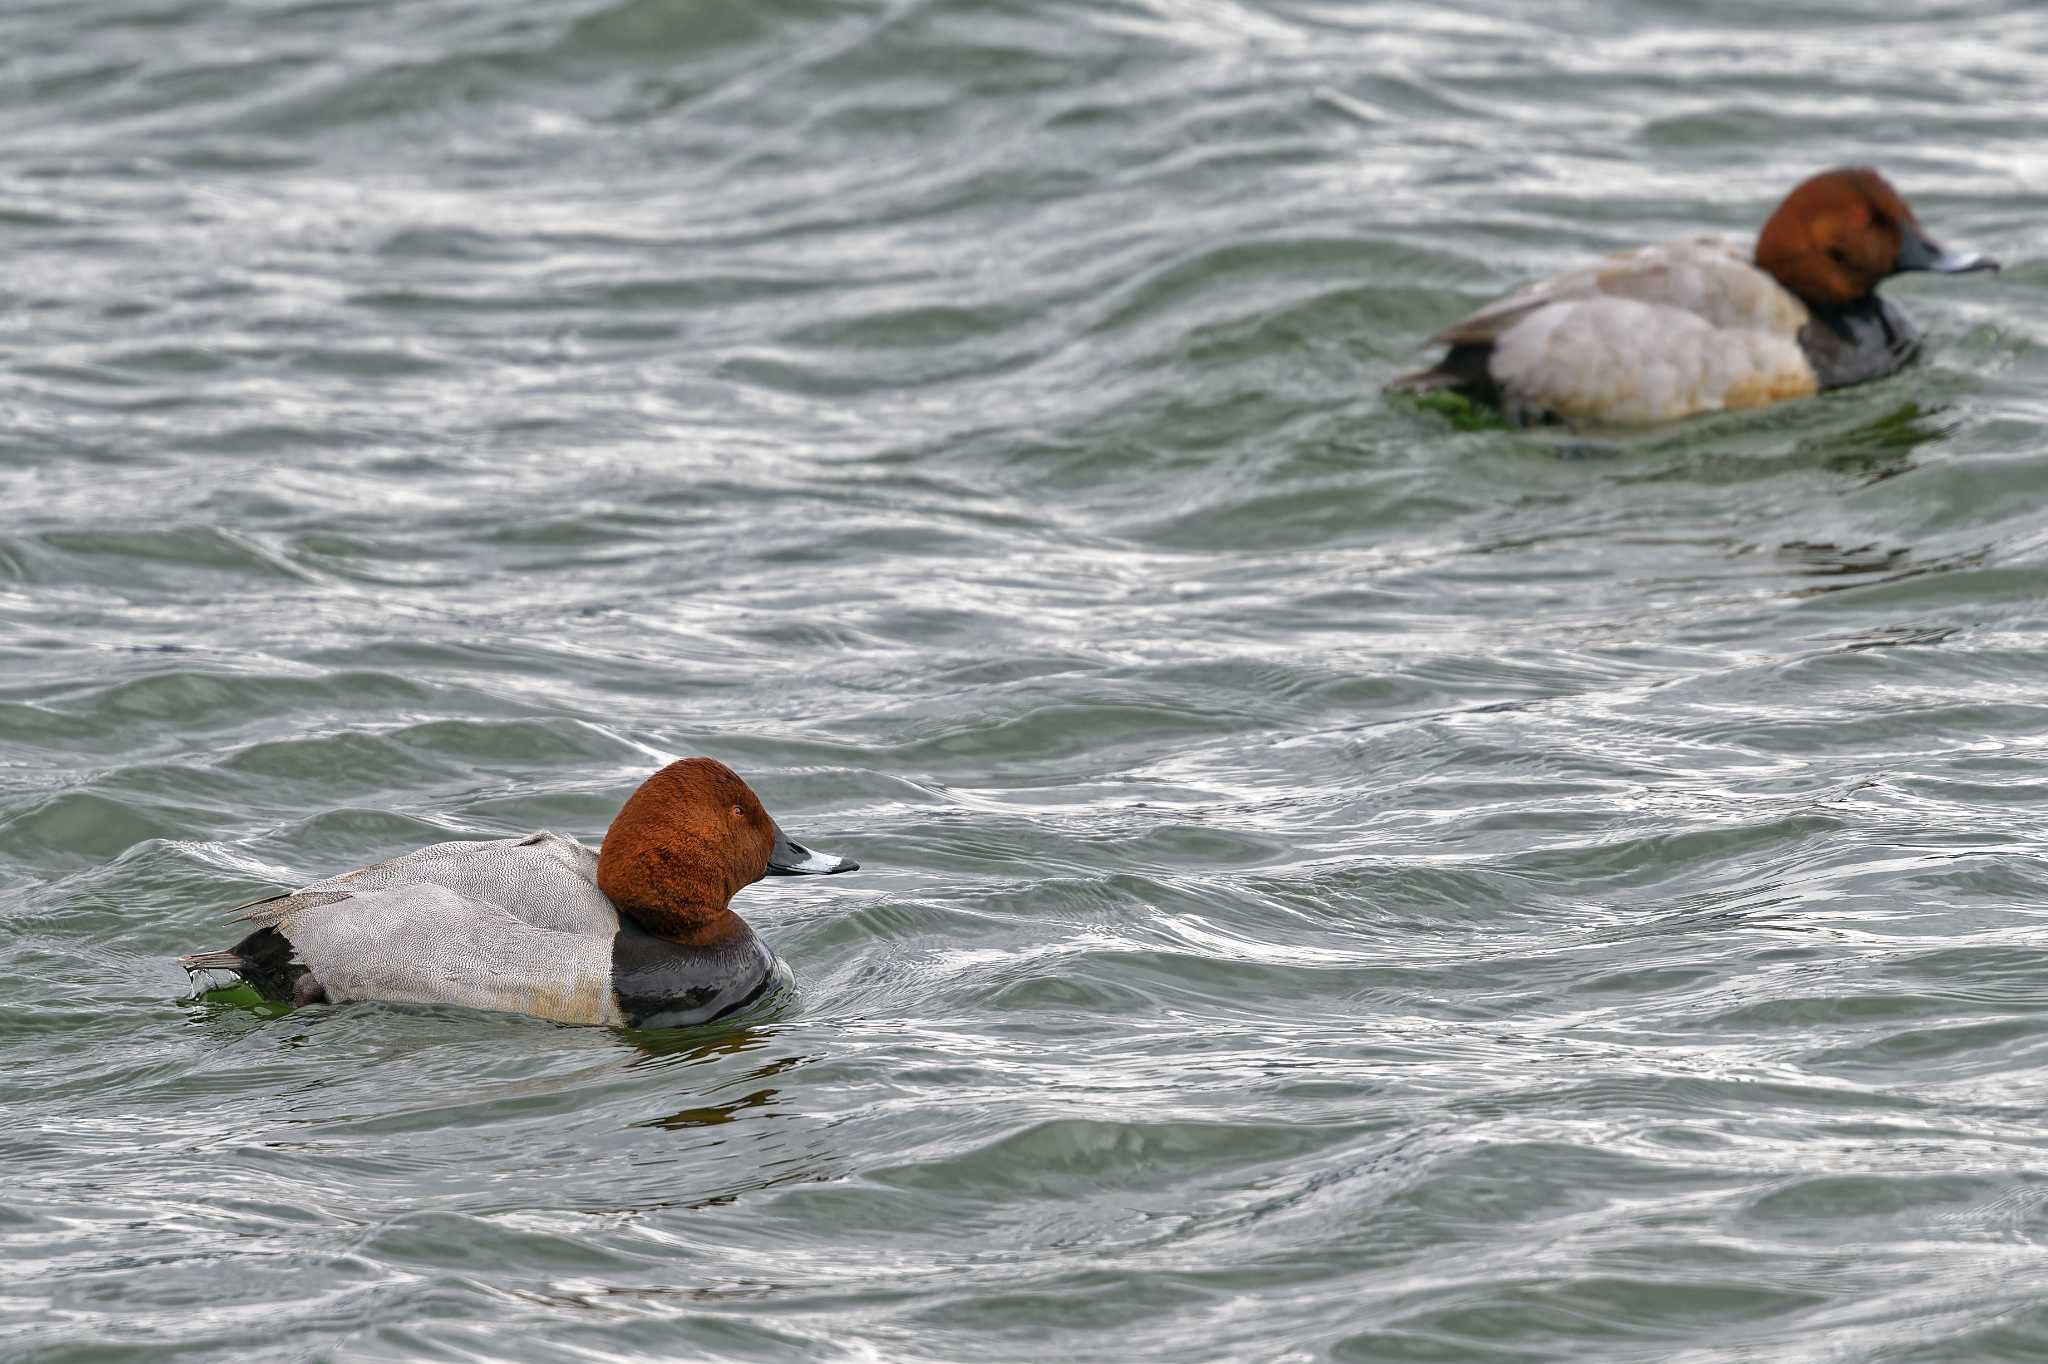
[{"x": 512, "y": 924}]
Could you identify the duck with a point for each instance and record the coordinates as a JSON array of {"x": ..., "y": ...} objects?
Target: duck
[
  {"x": 1704, "y": 324},
  {"x": 637, "y": 933}
]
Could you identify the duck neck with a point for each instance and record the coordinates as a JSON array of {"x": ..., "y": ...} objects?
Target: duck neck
[
  {"x": 660, "y": 982},
  {"x": 704, "y": 926},
  {"x": 1857, "y": 342}
]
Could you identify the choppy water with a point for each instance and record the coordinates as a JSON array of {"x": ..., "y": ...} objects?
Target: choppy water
[{"x": 1337, "y": 886}]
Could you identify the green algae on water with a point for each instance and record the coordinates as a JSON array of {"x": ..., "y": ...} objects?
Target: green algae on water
[{"x": 1462, "y": 412}]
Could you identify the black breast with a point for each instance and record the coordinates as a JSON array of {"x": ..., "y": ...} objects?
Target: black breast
[
  {"x": 1866, "y": 340},
  {"x": 663, "y": 985}
]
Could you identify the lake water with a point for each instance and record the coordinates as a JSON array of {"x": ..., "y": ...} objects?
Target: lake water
[{"x": 1336, "y": 885}]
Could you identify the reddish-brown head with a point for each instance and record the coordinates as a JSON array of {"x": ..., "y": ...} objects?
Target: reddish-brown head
[
  {"x": 1838, "y": 234},
  {"x": 688, "y": 840}
]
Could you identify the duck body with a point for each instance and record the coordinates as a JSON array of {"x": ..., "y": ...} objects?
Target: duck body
[
  {"x": 1646, "y": 336},
  {"x": 516, "y": 925},
  {"x": 519, "y": 926},
  {"x": 1704, "y": 324}
]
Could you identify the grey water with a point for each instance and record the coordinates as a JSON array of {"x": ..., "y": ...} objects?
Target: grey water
[{"x": 1337, "y": 884}]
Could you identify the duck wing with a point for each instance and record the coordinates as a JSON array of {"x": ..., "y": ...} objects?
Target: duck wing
[
  {"x": 512, "y": 924},
  {"x": 544, "y": 880},
  {"x": 1622, "y": 362},
  {"x": 1710, "y": 278},
  {"x": 1644, "y": 336}
]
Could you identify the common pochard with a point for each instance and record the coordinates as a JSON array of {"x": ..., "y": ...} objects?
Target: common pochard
[
  {"x": 1702, "y": 325},
  {"x": 639, "y": 933}
]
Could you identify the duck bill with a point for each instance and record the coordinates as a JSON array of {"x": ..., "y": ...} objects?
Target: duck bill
[
  {"x": 1918, "y": 251},
  {"x": 791, "y": 858}
]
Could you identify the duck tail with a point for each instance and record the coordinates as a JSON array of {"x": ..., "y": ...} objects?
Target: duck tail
[
  {"x": 1467, "y": 367},
  {"x": 265, "y": 961},
  {"x": 224, "y": 959},
  {"x": 1426, "y": 380},
  {"x": 204, "y": 970}
]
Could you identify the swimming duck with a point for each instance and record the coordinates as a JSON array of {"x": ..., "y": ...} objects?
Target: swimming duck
[
  {"x": 639, "y": 933},
  {"x": 1701, "y": 325}
]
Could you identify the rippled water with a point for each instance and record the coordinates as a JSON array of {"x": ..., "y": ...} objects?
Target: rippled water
[{"x": 1337, "y": 886}]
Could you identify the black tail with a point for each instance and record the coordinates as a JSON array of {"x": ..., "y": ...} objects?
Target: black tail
[
  {"x": 226, "y": 959},
  {"x": 1426, "y": 380},
  {"x": 1465, "y": 368},
  {"x": 264, "y": 961}
]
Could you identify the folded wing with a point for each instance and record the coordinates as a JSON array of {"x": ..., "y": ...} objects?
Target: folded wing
[
  {"x": 515, "y": 925},
  {"x": 1644, "y": 336}
]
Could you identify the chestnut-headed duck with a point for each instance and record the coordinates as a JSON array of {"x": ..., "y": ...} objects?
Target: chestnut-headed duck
[
  {"x": 640, "y": 933},
  {"x": 1702, "y": 325}
]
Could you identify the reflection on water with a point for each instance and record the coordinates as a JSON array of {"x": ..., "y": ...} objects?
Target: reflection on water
[
  {"x": 698, "y": 1046},
  {"x": 1879, "y": 449},
  {"x": 712, "y": 1115},
  {"x": 1867, "y": 564}
]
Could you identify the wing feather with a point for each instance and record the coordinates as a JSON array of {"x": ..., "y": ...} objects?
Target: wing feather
[{"x": 1709, "y": 277}]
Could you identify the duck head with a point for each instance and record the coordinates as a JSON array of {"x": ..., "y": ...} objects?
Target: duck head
[
  {"x": 1838, "y": 234},
  {"x": 690, "y": 838}
]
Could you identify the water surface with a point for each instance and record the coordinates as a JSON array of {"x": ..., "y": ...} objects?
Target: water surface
[{"x": 1336, "y": 886}]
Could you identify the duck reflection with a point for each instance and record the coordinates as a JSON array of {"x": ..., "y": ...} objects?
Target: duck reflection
[
  {"x": 1858, "y": 566},
  {"x": 689, "y": 1047},
  {"x": 1878, "y": 449},
  {"x": 711, "y": 1115}
]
